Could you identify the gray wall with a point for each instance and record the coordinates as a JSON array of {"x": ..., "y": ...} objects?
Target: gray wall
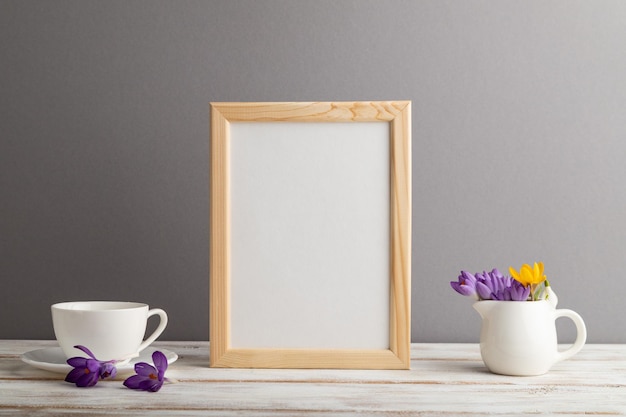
[{"x": 519, "y": 132}]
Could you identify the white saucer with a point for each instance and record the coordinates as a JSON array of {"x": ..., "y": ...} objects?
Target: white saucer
[{"x": 53, "y": 359}]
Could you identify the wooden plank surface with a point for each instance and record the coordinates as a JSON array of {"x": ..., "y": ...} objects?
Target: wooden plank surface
[{"x": 445, "y": 379}]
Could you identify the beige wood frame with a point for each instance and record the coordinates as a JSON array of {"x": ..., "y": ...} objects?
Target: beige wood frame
[{"x": 398, "y": 114}]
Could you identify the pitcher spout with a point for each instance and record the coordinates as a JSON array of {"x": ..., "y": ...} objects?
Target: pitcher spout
[{"x": 484, "y": 307}]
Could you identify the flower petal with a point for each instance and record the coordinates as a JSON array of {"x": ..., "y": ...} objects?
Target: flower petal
[
  {"x": 74, "y": 374},
  {"x": 143, "y": 383},
  {"x": 160, "y": 361},
  {"x": 145, "y": 369},
  {"x": 484, "y": 292},
  {"x": 538, "y": 271},
  {"x": 87, "y": 351},
  {"x": 77, "y": 362},
  {"x": 107, "y": 370},
  {"x": 462, "y": 289},
  {"x": 526, "y": 275},
  {"x": 87, "y": 380},
  {"x": 542, "y": 277},
  {"x": 93, "y": 365},
  {"x": 134, "y": 381},
  {"x": 151, "y": 385},
  {"x": 466, "y": 278}
]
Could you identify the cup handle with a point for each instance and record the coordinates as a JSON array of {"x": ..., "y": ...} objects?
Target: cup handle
[
  {"x": 581, "y": 336},
  {"x": 157, "y": 332}
]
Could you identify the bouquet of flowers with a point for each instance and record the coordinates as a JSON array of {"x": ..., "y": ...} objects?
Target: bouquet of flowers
[{"x": 529, "y": 284}]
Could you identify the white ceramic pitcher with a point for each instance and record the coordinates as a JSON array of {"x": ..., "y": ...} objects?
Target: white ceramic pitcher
[{"x": 519, "y": 337}]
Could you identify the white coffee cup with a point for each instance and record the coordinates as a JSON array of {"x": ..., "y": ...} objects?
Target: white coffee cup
[{"x": 111, "y": 330}]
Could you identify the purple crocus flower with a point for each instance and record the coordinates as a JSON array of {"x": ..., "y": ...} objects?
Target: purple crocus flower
[
  {"x": 489, "y": 283},
  {"x": 466, "y": 284},
  {"x": 515, "y": 292},
  {"x": 149, "y": 378},
  {"x": 495, "y": 286},
  {"x": 87, "y": 371},
  {"x": 491, "y": 286}
]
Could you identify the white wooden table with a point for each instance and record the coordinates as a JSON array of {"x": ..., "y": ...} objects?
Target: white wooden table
[{"x": 445, "y": 379}]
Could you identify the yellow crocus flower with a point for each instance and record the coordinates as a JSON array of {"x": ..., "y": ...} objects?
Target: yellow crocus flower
[{"x": 529, "y": 275}]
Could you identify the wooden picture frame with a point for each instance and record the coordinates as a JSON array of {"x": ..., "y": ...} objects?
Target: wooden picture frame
[{"x": 343, "y": 170}]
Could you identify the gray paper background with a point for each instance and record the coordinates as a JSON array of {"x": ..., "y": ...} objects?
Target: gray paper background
[{"x": 519, "y": 138}]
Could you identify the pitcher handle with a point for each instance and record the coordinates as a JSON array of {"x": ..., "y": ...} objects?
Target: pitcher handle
[{"x": 581, "y": 336}]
